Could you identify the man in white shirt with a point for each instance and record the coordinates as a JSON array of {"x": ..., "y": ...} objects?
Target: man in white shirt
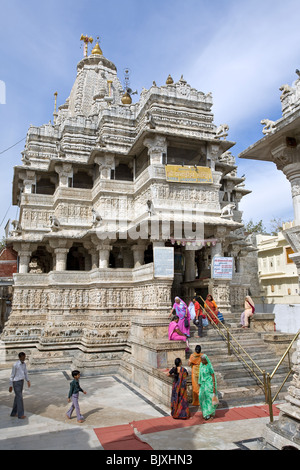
[{"x": 18, "y": 375}]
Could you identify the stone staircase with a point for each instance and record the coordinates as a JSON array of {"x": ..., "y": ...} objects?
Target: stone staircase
[{"x": 237, "y": 386}]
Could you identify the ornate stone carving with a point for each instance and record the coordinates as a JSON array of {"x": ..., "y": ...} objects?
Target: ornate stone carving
[{"x": 269, "y": 126}]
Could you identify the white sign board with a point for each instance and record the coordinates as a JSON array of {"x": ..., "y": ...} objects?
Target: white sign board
[
  {"x": 163, "y": 261},
  {"x": 222, "y": 267}
]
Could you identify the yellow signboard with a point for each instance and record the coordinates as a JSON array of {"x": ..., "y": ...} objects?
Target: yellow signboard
[{"x": 188, "y": 174}]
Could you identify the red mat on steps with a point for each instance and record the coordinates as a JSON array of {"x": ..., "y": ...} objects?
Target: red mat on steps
[
  {"x": 120, "y": 438},
  {"x": 123, "y": 437},
  {"x": 167, "y": 423}
]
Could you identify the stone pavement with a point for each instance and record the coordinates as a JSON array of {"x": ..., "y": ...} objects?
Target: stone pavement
[{"x": 117, "y": 416}]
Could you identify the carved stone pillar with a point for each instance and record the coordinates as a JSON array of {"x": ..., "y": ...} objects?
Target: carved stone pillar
[
  {"x": 217, "y": 248},
  {"x": 61, "y": 249},
  {"x": 65, "y": 172},
  {"x": 25, "y": 251},
  {"x": 94, "y": 257},
  {"x": 285, "y": 431},
  {"x": 295, "y": 185},
  {"x": 189, "y": 274},
  {"x": 157, "y": 146},
  {"x": 24, "y": 258},
  {"x": 104, "y": 251},
  {"x": 220, "y": 288},
  {"x": 282, "y": 146},
  {"x": 61, "y": 258},
  {"x": 287, "y": 159},
  {"x": 138, "y": 255},
  {"x": 106, "y": 164},
  {"x": 29, "y": 181}
]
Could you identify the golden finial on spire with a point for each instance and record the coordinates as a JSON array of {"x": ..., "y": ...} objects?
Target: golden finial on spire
[
  {"x": 169, "y": 80},
  {"x": 97, "y": 49},
  {"x": 126, "y": 98},
  {"x": 86, "y": 40}
]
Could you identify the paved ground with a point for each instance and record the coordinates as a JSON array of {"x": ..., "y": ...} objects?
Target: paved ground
[{"x": 130, "y": 418}]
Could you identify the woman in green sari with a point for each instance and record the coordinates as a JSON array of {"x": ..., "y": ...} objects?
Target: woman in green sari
[{"x": 208, "y": 388}]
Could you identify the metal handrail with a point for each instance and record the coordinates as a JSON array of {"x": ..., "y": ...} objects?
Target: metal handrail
[
  {"x": 286, "y": 352},
  {"x": 266, "y": 382},
  {"x": 229, "y": 343}
]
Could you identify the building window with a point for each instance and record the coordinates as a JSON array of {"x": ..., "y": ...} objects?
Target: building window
[
  {"x": 45, "y": 186},
  {"x": 123, "y": 172},
  {"x": 82, "y": 180},
  {"x": 289, "y": 252}
]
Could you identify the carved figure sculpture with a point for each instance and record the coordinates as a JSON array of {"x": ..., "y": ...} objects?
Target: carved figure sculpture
[
  {"x": 17, "y": 227},
  {"x": 285, "y": 89},
  {"x": 269, "y": 126},
  {"x": 96, "y": 217},
  {"x": 227, "y": 210},
  {"x": 222, "y": 131},
  {"x": 54, "y": 223}
]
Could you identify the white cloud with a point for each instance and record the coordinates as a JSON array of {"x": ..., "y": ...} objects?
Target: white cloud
[{"x": 249, "y": 58}]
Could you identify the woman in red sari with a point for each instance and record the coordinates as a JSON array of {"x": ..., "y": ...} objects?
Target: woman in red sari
[
  {"x": 212, "y": 309},
  {"x": 179, "y": 402}
]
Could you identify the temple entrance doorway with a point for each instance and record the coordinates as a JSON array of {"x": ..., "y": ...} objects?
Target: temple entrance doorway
[{"x": 201, "y": 291}]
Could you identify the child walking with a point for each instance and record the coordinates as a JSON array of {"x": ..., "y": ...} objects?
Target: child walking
[{"x": 74, "y": 394}]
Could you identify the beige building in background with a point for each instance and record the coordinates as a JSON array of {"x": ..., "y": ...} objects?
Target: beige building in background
[{"x": 277, "y": 272}]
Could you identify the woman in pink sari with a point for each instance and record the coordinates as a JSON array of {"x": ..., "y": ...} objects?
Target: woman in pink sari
[
  {"x": 180, "y": 309},
  {"x": 175, "y": 334}
]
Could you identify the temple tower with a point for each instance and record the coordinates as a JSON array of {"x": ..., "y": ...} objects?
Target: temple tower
[{"x": 122, "y": 206}]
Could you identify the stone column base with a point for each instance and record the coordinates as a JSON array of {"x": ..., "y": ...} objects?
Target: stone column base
[{"x": 284, "y": 432}]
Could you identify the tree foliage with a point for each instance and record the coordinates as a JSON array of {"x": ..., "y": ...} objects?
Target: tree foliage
[
  {"x": 255, "y": 227},
  {"x": 275, "y": 226}
]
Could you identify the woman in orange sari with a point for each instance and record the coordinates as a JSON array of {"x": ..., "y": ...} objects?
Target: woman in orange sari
[
  {"x": 212, "y": 309},
  {"x": 194, "y": 361}
]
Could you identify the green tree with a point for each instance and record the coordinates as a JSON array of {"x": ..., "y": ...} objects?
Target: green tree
[
  {"x": 276, "y": 225},
  {"x": 255, "y": 227}
]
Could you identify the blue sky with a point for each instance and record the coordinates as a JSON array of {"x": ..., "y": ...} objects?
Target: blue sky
[{"x": 241, "y": 51}]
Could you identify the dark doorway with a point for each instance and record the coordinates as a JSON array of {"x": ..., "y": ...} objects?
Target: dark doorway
[{"x": 76, "y": 258}]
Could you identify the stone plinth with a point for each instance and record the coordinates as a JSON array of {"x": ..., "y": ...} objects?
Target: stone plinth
[
  {"x": 279, "y": 342},
  {"x": 88, "y": 312},
  {"x": 262, "y": 322}
]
